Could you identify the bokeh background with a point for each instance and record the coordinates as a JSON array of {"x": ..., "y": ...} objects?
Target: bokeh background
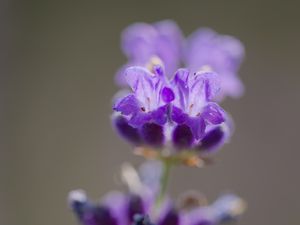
[{"x": 58, "y": 59}]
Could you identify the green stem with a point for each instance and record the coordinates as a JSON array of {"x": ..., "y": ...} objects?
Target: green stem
[{"x": 167, "y": 164}]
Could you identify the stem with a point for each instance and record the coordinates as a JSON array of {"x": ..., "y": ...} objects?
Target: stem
[{"x": 167, "y": 164}]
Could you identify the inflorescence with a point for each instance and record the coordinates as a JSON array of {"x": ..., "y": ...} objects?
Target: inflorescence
[{"x": 173, "y": 115}]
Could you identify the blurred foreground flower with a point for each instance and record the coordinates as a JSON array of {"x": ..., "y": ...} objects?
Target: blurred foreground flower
[{"x": 139, "y": 207}]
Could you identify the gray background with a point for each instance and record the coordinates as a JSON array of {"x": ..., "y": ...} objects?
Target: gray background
[{"x": 57, "y": 94}]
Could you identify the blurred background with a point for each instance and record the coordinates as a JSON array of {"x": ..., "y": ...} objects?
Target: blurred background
[{"x": 58, "y": 60}]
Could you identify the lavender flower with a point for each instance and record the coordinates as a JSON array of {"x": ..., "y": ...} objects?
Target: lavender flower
[
  {"x": 199, "y": 120},
  {"x": 144, "y": 112},
  {"x": 138, "y": 206},
  {"x": 178, "y": 114},
  {"x": 222, "y": 53},
  {"x": 121, "y": 209},
  {"x": 141, "y": 41},
  {"x": 204, "y": 48},
  {"x": 175, "y": 120}
]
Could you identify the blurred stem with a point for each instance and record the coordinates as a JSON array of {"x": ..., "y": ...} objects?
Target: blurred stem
[{"x": 167, "y": 165}]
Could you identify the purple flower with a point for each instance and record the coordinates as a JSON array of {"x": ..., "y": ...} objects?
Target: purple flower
[
  {"x": 144, "y": 112},
  {"x": 141, "y": 42},
  {"x": 138, "y": 205},
  {"x": 180, "y": 113},
  {"x": 125, "y": 209},
  {"x": 222, "y": 53},
  {"x": 193, "y": 109}
]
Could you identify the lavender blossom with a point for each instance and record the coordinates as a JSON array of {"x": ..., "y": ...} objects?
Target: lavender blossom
[
  {"x": 144, "y": 112},
  {"x": 177, "y": 114},
  {"x": 122, "y": 209},
  {"x": 141, "y": 41},
  {"x": 221, "y": 53},
  {"x": 138, "y": 206}
]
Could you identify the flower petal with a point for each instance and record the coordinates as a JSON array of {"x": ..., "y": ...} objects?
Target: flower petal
[
  {"x": 152, "y": 134},
  {"x": 138, "y": 41},
  {"x": 160, "y": 115},
  {"x": 126, "y": 131},
  {"x": 171, "y": 218},
  {"x": 127, "y": 105},
  {"x": 178, "y": 116},
  {"x": 140, "y": 118},
  {"x": 99, "y": 215},
  {"x": 180, "y": 87},
  {"x": 135, "y": 206},
  {"x": 213, "y": 138},
  {"x": 213, "y": 113},
  {"x": 145, "y": 85},
  {"x": 222, "y": 53},
  {"x": 197, "y": 126},
  {"x": 169, "y": 44},
  {"x": 182, "y": 136},
  {"x": 167, "y": 95}
]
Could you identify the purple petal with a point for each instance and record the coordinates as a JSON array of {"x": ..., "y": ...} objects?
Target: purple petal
[
  {"x": 160, "y": 115},
  {"x": 216, "y": 136},
  {"x": 171, "y": 218},
  {"x": 135, "y": 206},
  {"x": 181, "y": 88},
  {"x": 212, "y": 84},
  {"x": 197, "y": 126},
  {"x": 169, "y": 44},
  {"x": 120, "y": 74},
  {"x": 99, "y": 215},
  {"x": 126, "y": 131},
  {"x": 212, "y": 140},
  {"x": 203, "y": 87},
  {"x": 117, "y": 204},
  {"x": 139, "y": 79},
  {"x": 127, "y": 105},
  {"x": 206, "y": 47},
  {"x": 182, "y": 136},
  {"x": 213, "y": 113},
  {"x": 231, "y": 85},
  {"x": 139, "y": 119},
  {"x": 167, "y": 95},
  {"x": 221, "y": 53},
  {"x": 178, "y": 116},
  {"x": 145, "y": 85},
  {"x": 138, "y": 41},
  {"x": 152, "y": 134}
]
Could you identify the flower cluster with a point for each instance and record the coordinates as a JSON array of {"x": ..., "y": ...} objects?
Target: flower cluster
[
  {"x": 175, "y": 110},
  {"x": 203, "y": 48},
  {"x": 138, "y": 206},
  {"x": 172, "y": 115},
  {"x": 178, "y": 113}
]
